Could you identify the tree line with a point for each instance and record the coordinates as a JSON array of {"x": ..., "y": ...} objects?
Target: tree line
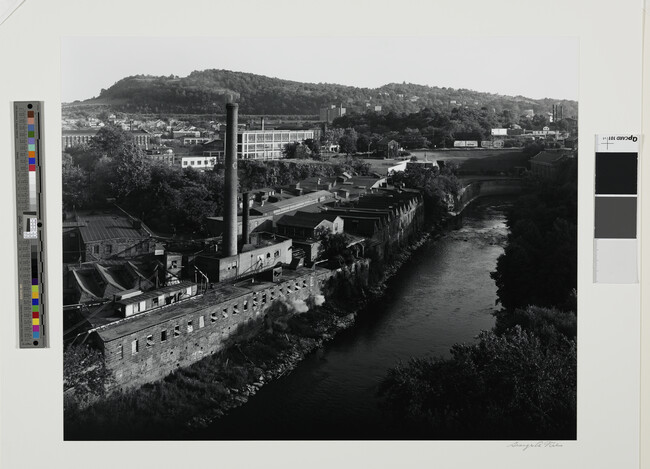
[
  {"x": 518, "y": 380},
  {"x": 170, "y": 199},
  {"x": 206, "y": 91}
]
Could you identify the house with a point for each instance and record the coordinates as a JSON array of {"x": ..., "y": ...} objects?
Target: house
[
  {"x": 306, "y": 225},
  {"x": 387, "y": 148}
]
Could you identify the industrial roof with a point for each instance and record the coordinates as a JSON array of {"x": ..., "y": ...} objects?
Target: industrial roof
[
  {"x": 118, "y": 328},
  {"x": 306, "y": 219},
  {"x": 155, "y": 293},
  {"x": 103, "y": 227}
]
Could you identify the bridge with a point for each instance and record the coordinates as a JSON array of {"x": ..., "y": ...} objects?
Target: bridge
[{"x": 474, "y": 188}]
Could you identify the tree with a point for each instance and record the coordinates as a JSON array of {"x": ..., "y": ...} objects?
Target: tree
[
  {"x": 331, "y": 137},
  {"x": 313, "y": 146},
  {"x": 348, "y": 142},
  {"x": 505, "y": 386},
  {"x": 335, "y": 248},
  {"x": 539, "y": 263},
  {"x": 132, "y": 171},
  {"x": 75, "y": 185}
]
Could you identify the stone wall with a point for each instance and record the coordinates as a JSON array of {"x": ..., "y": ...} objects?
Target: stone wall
[{"x": 149, "y": 354}]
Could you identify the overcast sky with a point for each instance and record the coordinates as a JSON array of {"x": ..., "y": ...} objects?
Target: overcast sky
[{"x": 535, "y": 67}]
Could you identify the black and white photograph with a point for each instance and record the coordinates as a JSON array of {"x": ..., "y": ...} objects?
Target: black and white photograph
[{"x": 361, "y": 238}]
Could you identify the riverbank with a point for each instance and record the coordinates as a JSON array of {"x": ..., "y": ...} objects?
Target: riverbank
[
  {"x": 191, "y": 398},
  {"x": 324, "y": 327}
]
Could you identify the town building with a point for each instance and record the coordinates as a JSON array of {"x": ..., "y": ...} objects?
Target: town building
[
  {"x": 387, "y": 148},
  {"x": 268, "y": 144},
  {"x": 304, "y": 225},
  {"x": 198, "y": 162},
  {"x": 71, "y": 138},
  {"x": 105, "y": 236},
  {"x": 331, "y": 112}
]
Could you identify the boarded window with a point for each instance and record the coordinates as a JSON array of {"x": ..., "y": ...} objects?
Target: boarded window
[
  {"x": 134, "y": 347},
  {"x": 190, "y": 326},
  {"x": 213, "y": 317},
  {"x": 163, "y": 335},
  {"x": 201, "y": 321},
  {"x": 177, "y": 331},
  {"x": 149, "y": 340}
]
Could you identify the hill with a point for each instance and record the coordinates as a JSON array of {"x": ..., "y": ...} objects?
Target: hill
[{"x": 205, "y": 92}]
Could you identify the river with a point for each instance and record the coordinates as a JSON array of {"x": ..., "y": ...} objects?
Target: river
[{"x": 443, "y": 295}]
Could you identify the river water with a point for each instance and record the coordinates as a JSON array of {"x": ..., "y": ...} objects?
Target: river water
[{"x": 443, "y": 295}]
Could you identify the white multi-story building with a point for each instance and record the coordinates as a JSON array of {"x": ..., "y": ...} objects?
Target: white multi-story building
[
  {"x": 198, "y": 162},
  {"x": 268, "y": 144}
]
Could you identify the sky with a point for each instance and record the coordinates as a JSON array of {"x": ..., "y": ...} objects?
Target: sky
[{"x": 535, "y": 67}]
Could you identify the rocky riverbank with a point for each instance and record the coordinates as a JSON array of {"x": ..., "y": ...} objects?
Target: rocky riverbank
[
  {"x": 326, "y": 327},
  {"x": 191, "y": 398}
]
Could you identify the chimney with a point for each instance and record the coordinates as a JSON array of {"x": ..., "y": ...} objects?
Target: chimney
[
  {"x": 230, "y": 196},
  {"x": 244, "y": 217}
]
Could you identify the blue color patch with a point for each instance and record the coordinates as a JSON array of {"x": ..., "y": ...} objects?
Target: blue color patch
[
  {"x": 30, "y": 127},
  {"x": 32, "y": 161},
  {"x": 36, "y": 335},
  {"x": 35, "y": 301},
  {"x": 31, "y": 141}
]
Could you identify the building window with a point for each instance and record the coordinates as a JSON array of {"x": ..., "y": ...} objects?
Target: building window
[
  {"x": 96, "y": 249},
  {"x": 154, "y": 301},
  {"x": 163, "y": 335},
  {"x": 108, "y": 249},
  {"x": 245, "y": 305},
  {"x": 268, "y": 255},
  {"x": 192, "y": 163},
  {"x": 120, "y": 351},
  {"x": 149, "y": 340},
  {"x": 134, "y": 347},
  {"x": 174, "y": 264},
  {"x": 201, "y": 322},
  {"x": 224, "y": 313},
  {"x": 177, "y": 330},
  {"x": 263, "y": 298},
  {"x": 190, "y": 326},
  {"x": 213, "y": 317},
  {"x": 276, "y": 254},
  {"x": 235, "y": 309}
]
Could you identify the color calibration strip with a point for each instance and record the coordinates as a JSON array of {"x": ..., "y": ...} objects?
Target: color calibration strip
[
  {"x": 32, "y": 332},
  {"x": 616, "y": 247}
]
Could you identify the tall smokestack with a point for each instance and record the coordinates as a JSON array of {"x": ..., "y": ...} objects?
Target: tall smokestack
[
  {"x": 230, "y": 209},
  {"x": 244, "y": 220}
]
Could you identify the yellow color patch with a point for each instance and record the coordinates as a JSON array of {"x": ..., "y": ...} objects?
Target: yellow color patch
[{"x": 35, "y": 322}]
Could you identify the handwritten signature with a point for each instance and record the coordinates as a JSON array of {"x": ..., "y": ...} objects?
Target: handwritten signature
[{"x": 535, "y": 444}]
